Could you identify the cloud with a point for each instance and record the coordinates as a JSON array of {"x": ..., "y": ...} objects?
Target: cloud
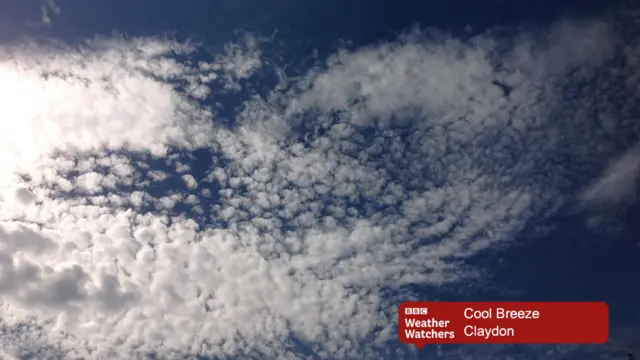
[
  {"x": 386, "y": 166},
  {"x": 237, "y": 62},
  {"x": 190, "y": 182},
  {"x": 607, "y": 199},
  {"x": 47, "y": 7},
  {"x": 619, "y": 183}
]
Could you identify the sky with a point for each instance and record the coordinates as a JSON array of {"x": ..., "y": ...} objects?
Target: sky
[{"x": 269, "y": 180}]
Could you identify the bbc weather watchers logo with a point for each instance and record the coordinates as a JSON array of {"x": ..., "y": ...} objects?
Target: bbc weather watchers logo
[{"x": 416, "y": 311}]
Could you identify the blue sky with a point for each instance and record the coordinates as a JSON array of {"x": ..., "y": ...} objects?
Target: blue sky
[{"x": 269, "y": 179}]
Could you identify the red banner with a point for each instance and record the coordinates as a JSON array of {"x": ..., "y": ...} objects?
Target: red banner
[{"x": 423, "y": 323}]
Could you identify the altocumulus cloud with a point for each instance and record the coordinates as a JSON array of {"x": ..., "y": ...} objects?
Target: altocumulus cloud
[{"x": 382, "y": 167}]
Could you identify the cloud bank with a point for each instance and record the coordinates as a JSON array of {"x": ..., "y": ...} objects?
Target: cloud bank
[{"x": 328, "y": 196}]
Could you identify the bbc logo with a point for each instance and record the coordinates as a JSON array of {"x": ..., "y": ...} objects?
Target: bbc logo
[{"x": 415, "y": 311}]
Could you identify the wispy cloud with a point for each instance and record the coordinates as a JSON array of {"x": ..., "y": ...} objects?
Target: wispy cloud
[
  {"x": 618, "y": 186},
  {"x": 48, "y": 8},
  {"x": 383, "y": 167}
]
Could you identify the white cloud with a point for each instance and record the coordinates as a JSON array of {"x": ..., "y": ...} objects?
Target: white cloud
[
  {"x": 237, "y": 62},
  {"x": 618, "y": 185},
  {"x": 47, "y": 7},
  {"x": 387, "y": 166},
  {"x": 190, "y": 181}
]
